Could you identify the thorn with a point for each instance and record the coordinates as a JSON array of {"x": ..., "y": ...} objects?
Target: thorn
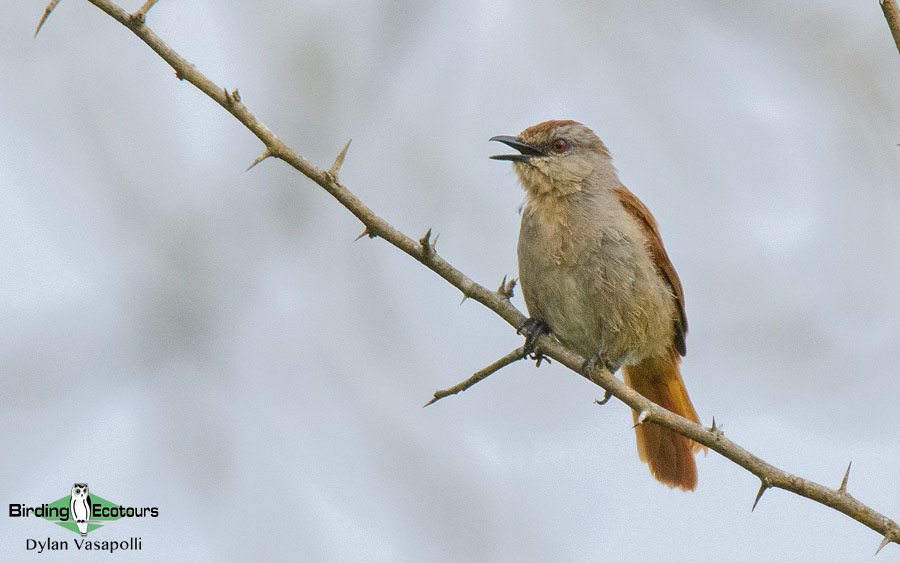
[
  {"x": 232, "y": 97},
  {"x": 366, "y": 233},
  {"x": 427, "y": 244},
  {"x": 431, "y": 402},
  {"x": 606, "y": 397},
  {"x": 508, "y": 290},
  {"x": 265, "y": 154},
  {"x": 843, "y": 487},
  {"x": 642, "y": 418},
  {"x": 339, "y": 161},
  {"x": 50, "y": 7},
  {"x": 888, "y": 538},
  {"x": 506, "y": 287},
  {"x": 715, "y": 428},
  {"x": 178, "y": 74},
  {"x": 763, "y": 485},
  {"x": 464, "y": 299}
]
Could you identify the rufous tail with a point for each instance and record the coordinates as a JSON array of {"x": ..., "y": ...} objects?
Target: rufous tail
[{"x": 669, "y": 455}]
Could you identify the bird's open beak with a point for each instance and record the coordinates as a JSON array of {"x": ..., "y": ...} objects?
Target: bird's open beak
[{"x": 527, "y": 150}]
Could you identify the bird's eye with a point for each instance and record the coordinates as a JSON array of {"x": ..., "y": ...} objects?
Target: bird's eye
[{"x": 560, "y": 145}]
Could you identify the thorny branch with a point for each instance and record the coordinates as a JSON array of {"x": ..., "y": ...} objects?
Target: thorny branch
[{"x": 498, "y": 301}]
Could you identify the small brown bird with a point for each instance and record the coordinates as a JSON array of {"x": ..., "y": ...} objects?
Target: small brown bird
[{"x": 593, "y": 269}]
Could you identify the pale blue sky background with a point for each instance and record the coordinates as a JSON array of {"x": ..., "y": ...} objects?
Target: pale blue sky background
[{"x": 183, "y": 334}]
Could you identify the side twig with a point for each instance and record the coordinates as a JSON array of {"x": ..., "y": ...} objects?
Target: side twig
[
  {"x": 479, "y": 375},
  {"x": 892, "y": 15},
  {"x": 497, "y": 301},
  {"x": 47, "y": 11},
  {"x": 141, "y": 14}
]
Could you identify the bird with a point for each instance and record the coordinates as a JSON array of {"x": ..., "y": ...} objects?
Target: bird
[
  {"x": 594, "y": 272},
  {"x": 80, "y": 506}
]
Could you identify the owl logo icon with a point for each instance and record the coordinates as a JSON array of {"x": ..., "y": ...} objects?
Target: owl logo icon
[{"x": 80, "y": 507}]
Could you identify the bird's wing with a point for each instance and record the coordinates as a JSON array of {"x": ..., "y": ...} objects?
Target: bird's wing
[{"x": 645, "y": 219}]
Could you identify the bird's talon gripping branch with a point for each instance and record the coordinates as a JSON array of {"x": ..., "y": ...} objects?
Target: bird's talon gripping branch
[
  {"x": 588, "y": 366},
  {"x": 532, "y": 329}
]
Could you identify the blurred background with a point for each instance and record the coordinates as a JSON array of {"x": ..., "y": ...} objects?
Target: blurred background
[{"x": 183, "y": 334}]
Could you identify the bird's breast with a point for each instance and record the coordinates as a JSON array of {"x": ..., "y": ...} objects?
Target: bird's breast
[{"x": 594, "y": 284}]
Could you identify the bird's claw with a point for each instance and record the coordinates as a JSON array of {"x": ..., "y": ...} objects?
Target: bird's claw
[
  {"x": 588, "y": 366},
  {"x": 532, "y": 329},
  {"x": 606, "y": 397}
]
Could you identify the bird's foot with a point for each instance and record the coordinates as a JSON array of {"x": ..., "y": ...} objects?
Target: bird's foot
[
  {"x": 531, "y": 329},
  {"x": 588, "y": 366}
]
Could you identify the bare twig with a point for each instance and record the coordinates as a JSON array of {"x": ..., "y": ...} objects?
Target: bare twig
[
  {"x": 141, "y": 14},
  {"x": 892, "y": 15},
  {"x": 769, "y": 475},
  {"x": 47, "y": 11},
  {"x": 479, "y": 375}
]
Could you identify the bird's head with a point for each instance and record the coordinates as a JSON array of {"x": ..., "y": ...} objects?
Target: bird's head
[{"x": 555, "y": 157}]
